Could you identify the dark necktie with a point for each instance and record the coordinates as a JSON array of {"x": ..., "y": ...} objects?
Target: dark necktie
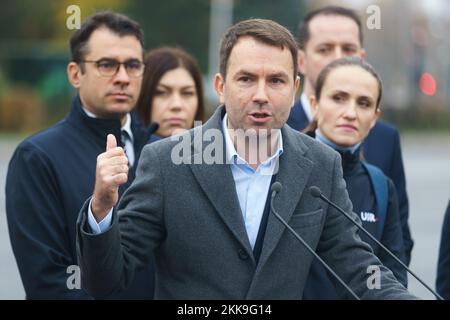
[{"x": 128, "y": 146}]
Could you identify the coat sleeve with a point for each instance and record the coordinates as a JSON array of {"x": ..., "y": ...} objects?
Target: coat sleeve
[
  {"x": 37, "y": 227},
  {"x": 109, "y": 260},
  {"x": 392, "y": 238},
  {"x": 350, "y": 257},
  {"x": 443, "y": 272}
]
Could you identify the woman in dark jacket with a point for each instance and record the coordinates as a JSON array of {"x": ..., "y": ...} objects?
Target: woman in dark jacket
[
  {"x": 171, "y": 97},
  {"x": 443, "y": 273},
  {"x": 346, "y": 107}
]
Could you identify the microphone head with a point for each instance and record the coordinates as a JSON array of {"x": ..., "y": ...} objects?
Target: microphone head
[
  {"x": 153, "y": 127},
  {"x": 276, "y": 186},
  {"x": 315, "y": 192}
]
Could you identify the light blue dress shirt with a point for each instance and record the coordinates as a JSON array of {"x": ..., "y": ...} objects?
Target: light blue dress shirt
[{"x": 252, "y": 187}]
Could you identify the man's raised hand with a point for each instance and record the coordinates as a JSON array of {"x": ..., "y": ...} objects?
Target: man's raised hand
[{"x": 111, "y": 173}]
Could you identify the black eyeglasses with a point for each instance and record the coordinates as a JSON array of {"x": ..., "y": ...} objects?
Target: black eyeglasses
[{"x": 110, "y": 67}]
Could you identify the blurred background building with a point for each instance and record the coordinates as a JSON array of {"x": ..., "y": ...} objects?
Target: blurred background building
[{"x": 410, "y": 49}]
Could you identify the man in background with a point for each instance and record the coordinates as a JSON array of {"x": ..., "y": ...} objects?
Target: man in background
[
  {"x": 52, "y": 173},
  {"x": 328, "y": 34}
]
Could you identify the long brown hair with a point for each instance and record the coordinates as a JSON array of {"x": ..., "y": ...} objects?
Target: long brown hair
[{"x": 157, "y": 63}]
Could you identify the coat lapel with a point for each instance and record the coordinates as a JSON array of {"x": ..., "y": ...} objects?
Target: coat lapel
[
  {"x": 291, "y": 161},
  {"x": 217, "y": 182}
]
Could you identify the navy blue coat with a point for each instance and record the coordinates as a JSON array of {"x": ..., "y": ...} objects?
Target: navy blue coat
[
  {"x": 443, "y": 272},
  {"x": 320, "y": 284},
  {"x": 50, "y": 176},
  {"x": 382, "y": 149}
]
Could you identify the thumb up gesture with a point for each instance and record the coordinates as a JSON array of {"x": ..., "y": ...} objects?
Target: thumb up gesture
[{"x": 111, "y": 173}]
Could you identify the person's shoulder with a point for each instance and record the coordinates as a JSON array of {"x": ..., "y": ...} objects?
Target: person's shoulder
[
  {"x": 44, "y": 140},
  {"x": 309, "y": 145},
  {"x": 153, "y": 138},
  {"x": 391, "y": 186},
  {"x": 385, "y": 128},
  {"x": 298, "y": 104}
]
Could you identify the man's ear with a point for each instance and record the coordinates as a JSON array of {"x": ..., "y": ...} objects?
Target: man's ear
[
  {"x": 363, "y": 54},
  {"x": 219, "y": 86},
  {"x": 314, "y": 105},
  {"x": 301, "y": 57},
  {"x": 296, "y": 86},
  {"x": 74, "y": 74}
]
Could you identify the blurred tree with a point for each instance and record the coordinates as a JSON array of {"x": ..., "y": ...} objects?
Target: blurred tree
[
  {"x": 24, "y": 20},
  {"x": 34, "y": 35},
  {"x": 87, "y": 8},
  {"x": 286, "y": 12},
  {"x": 21, "y": 110},
  {"x": 175, "y": 23}
]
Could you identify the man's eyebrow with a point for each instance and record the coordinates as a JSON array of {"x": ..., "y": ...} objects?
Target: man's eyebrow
[
  {"x": 332, "y": 43},
  {"x": 244, "y": 73},
  {"x": 114, "y": 59},
  {"x": 278, "y": 75}
]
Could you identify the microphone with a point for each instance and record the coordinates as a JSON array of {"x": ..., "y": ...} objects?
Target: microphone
[
  {"x": 152, "y": 128},
  {"x": 316, "y": 193},
  {"x": 276, "y": 188}
]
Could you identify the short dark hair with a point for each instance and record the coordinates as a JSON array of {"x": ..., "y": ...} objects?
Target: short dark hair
[
  {"x": 157, "y": 63},
  {"x": 303, "y": 28},
  {"x": 265, "y": 31},
  {"x": 347, "y": 61},
  {"x": 116, "y": 22}
]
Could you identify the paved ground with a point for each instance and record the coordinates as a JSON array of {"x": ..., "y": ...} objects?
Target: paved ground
[
  {"x": 427, "y": 162},
  {"x": 427, "y": 165}
]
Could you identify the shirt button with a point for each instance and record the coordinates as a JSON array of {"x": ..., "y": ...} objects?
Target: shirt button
[{"x": 242, "y": 254}]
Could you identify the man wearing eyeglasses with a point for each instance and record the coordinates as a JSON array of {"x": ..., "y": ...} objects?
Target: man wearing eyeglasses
[{"x": 52, "y": 173}]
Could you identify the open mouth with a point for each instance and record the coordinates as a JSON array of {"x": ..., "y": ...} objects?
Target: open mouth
[{"x": 259, "y": 117}]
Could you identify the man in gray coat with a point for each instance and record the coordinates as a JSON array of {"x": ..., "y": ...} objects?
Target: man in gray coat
[{"x": 200, "y": 201}]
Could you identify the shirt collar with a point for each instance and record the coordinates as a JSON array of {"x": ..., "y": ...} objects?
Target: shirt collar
[
  {"x": 233, "y": 156},
  {"x": 126, "y": 126},
  {"x": 320, "y": 137},
  {"x": 306, "y": 106}
]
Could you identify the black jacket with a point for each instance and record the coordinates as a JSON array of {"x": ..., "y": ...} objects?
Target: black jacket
[
  {"x": 382, "y": 149},
  {"x": 50, "y": 176},
  {"x": 443, "y": 272},
  {"x": 320, "y": 284}
]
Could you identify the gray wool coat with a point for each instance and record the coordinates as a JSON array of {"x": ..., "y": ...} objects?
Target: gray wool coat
[{"x": 188, "y": 217}]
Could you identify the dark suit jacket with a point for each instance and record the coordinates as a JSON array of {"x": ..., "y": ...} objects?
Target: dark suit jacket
[
  {"x": 382, "y": 149},
  {"x": 50, "y": 176},
  {"x": 189, "y": 216},
  {"x": 443, "y": 272}
]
